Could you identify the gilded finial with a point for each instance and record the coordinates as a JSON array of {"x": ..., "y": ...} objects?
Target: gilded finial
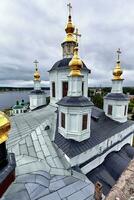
[
  {"x": 5, "y": 126},
  {"x": 75, "y": 64},
  {"x": 118, "y": 54},
  {"x": 70, "y": 27},
  {"x": 117, "y": 71},
  {"x": 77, "y": 34},
  {"x": 69, "y": 8},
  {"x": 36, "y": 73}
]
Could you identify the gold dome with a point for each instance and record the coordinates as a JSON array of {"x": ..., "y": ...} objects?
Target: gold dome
[
  {"x": 75, "y": 64},
  {"x": 36, "y": 75},
  {"x": 69, "y": 31},
  {"x": 70, "y": 27},
  {"x": 118, "y": 71},
  {"x": 5, "y": 126}
]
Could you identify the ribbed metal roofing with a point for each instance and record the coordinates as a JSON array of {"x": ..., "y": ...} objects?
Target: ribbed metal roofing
[
  {"x": 117, "y": 96},
  {"x": 64, "y": 64}
]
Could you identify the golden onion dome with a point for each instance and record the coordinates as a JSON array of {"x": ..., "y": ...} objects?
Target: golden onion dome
[
  {"x": 69, "y": 31},
  {"x": 5, "y": 126},
  {"x": 36, "y": 75},
  {"x": 70, "y": 27},
  {"x": 75, "y": 64},
  {"x": 117, "y": 72}
]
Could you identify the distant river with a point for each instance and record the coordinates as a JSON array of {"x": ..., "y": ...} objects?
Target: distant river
[{"x": 8, "y": 99}]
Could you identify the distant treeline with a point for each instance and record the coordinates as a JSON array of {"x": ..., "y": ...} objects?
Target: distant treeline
[
  {"x": 5, "y": 89},
  {"x": 106, "y": 90}
]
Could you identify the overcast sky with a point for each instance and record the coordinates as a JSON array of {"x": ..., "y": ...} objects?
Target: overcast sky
[{"x": 34, "y": 29}]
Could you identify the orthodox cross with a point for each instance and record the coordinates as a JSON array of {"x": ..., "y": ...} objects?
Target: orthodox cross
[
  {"x": 36, "y": 62},
  {"x": 77, "y": 34},
  {"x": 118, "y": 53},
  {"x": 69, "y": 7}
]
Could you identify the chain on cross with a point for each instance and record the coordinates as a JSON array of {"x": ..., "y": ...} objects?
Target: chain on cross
[
  {"x": 118, "y": 53},
  {"x": 77, "y": 34},
  {"x": 36, "y": 63},
  {"x": 69, "y": 7}
]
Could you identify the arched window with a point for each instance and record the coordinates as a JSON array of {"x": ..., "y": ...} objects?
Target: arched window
[
  {"x": 64, "y": 88},
  {"x": 110, "y": 109},
  {"x": 53, "y": 89},
  {"x": 125, "y": 110},
  {"x": 63, "y": 120},
  {"x": 82, "y": 88},
  {"x": 84, "y": 121}
]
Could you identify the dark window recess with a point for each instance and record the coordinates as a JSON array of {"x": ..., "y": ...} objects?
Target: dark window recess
[
  {"x": 82, "y": 88},
  {"x": 53, "y": 89},
  {"x": 84, "y": 122},
  {"x": 64, "y": 88},
  {"x": 125, "y": 111},
  {"x": 110, "y": 110},
  {"x": 62, "y": 120}
]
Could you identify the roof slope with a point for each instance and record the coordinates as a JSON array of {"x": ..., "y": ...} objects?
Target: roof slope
[
  {"x": 24, "y": 124},
  {"x": 40, "y": 173},
  {"x": 110, "y": 170},
  {"x": 64, "y": 64},
  {"x": 40, "y": 185}
]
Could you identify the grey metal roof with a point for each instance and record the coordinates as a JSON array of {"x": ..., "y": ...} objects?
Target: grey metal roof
[
  {"x": 117, "y": 96},
  {"x": 102, "y": 127},
  {"x": 41, "y": 185},
  {"x": 70, "y": 101},
  {"x": 37, "y": 92},
  {"x": 63, "y": 64},
  {"x": 40, "y": 172},
  {"x": 24, "y": 124},
  {"x": 111, "y": 169}
]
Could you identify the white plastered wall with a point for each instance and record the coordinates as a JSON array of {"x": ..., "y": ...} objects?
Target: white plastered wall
[
  {"x": 37, "y": 100},
  {"x": 118, "y": 109},
  {"x": 60, "y": 76},
  {"x": 73, "y": 122}
]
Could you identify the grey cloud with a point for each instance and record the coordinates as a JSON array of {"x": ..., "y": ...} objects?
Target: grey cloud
[{"x": 35, "y": 29}]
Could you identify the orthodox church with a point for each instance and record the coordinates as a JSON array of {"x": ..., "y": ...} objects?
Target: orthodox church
[{"x": 69, "y": 149}]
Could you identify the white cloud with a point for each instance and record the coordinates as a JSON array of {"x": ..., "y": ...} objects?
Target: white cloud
[{"x": 34, "y": 30}]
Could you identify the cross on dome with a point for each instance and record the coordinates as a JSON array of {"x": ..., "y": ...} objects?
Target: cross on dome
[
  {"x": 118, "y": 53},
  {"x": 77, "y": 34},
  {"x": 36, "y": 63},
  {"x": 69, "y": 8},
  {"x": 36, "y": 73}
]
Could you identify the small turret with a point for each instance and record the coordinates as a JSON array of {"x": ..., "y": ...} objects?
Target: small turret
[
  {"x": 37, "y": 96},
  {"x": 116, "y": 103}
]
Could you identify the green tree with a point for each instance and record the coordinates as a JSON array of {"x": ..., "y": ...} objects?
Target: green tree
[{"x": 98, "y": 100}]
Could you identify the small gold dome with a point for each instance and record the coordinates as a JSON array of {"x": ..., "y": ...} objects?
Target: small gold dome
[
  {"x": 5, "y": 126},
  {"x": 117, "y": 72},
  {"x": 70, "y": 27},
  {"x": 36, "y": 75},
  {"x": 75, "y": 64},
  {"x": 70, "y": 30}
]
